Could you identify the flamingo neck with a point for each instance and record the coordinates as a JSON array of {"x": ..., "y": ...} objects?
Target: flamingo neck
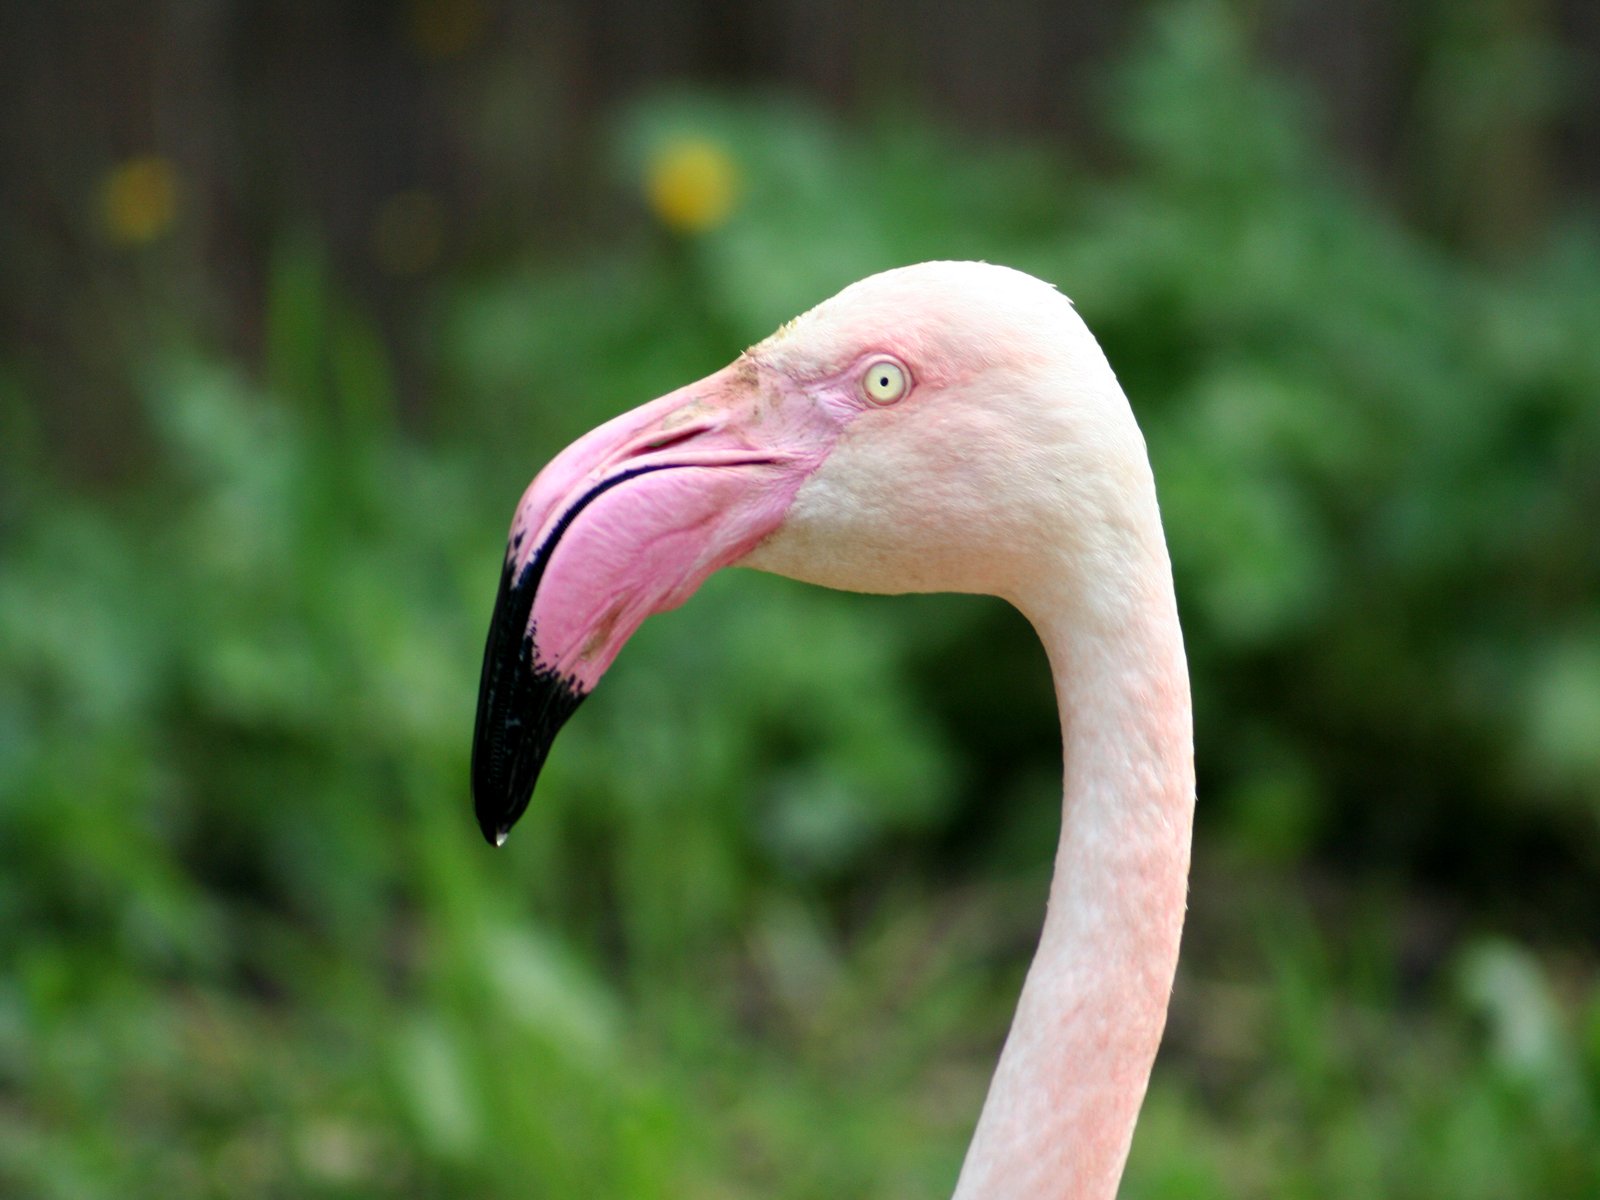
[{"x": 1061, "y": 1109}]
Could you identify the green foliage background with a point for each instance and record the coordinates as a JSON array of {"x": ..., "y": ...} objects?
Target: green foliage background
[{"x": 762, "y": 929}]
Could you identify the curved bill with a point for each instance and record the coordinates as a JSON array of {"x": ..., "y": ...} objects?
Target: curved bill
[{"x": 627, "y": 521}]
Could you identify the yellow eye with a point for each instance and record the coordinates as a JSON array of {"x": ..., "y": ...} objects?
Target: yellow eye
[{"x": 884, "y": 382}]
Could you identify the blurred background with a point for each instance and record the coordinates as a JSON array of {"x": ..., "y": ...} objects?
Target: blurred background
[{"x": 294, "y": 299}]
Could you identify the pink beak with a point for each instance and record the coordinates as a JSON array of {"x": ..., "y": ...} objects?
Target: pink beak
[{"x": 627, "y": 521}]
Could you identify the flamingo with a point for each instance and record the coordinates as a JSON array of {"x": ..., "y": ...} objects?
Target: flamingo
[{"x": 950, "y": 426}]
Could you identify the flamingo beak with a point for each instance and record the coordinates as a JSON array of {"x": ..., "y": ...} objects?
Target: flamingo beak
[{"x": 627, "y": 521}]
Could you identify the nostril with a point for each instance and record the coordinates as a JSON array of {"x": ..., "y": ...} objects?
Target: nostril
[
  {"x": 704, "y": 442},
  {"x": 662, "y": 440}
]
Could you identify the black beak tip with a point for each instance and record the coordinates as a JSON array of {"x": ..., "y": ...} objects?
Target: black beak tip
[
  {"x": 509, "y": 750},
  {"x": 501, "y": 783},
  {"x": 521, "y": 707},
  {"x": 499, "y": 798},
  {"x": 495, "y": 820}
]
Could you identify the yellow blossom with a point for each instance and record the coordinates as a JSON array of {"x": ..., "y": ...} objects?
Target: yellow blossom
[
  {"x": 692, "y": 184},
  {"x": 407, "y": 235},
  {"x": 139, "y": 199},
  {"x": 446, "y": 29}
]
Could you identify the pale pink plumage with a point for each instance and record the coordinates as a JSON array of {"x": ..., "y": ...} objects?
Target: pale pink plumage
[{"x": 1012, "y": 466}]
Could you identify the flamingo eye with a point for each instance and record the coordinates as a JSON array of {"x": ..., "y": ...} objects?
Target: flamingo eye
[{"x": 884, "y": 381}]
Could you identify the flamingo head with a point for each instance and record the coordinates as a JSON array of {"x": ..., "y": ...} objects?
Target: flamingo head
[{"x": 941, "y": 427}]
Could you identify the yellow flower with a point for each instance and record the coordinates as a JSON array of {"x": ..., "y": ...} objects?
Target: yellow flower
[
  {"x": 407, "y": 235},
  {"x": 139, "y": 199},
  {"x": 446, "y": 29},
  {"x": 692, "y": 184}
]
